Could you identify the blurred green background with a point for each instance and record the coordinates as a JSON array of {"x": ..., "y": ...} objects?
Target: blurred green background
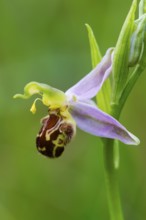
[{"x": 46, "y": 41}]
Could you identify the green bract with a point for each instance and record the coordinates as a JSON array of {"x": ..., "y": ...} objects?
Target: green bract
[
  {"x": 137, "y": 55},
  {"x": 137, "y": 41},
  {"x": 94, "y": 48},
  {"x": 142, "y": 7},
  {"x": 104, "y": 95},
  {"x": 121, "y": 55}
]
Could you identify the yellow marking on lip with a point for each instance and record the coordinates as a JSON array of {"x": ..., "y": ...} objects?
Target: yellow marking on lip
[
  {"x": 42, "y": 149},
  {"x": 59, "y": 142}
]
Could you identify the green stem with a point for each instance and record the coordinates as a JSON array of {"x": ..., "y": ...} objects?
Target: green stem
[
  {"x": 111, "y": 172},
  {"x": 111, "y": 181}
]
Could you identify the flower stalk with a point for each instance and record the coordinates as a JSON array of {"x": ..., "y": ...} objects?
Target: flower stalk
[
  {"x": 111, "y": 164},
  {"x": 111, "y": 181}
]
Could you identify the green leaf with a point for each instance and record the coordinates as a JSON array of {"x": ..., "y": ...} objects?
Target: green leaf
[
  {"x": 103, "y": 97},
  {"x": 121, "y": 54}
]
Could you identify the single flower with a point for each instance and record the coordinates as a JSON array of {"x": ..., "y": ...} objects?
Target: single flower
[{"x": 75, "y": 107}]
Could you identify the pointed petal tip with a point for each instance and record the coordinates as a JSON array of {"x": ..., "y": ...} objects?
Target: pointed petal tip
[
  {"x": 96, "y": 122},
  {"x": 127, "y": 137},
  {"x": 135, "y": 140}
]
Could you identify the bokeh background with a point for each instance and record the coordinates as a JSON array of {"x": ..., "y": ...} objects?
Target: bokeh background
[{"x": 46, "y": 41}]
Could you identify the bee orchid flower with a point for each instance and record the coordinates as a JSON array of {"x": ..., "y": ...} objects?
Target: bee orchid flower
[{"x": 75, "y": 107}]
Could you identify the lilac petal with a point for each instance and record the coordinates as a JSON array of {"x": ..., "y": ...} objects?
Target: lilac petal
[
  {"x": 92, "y": 120},
  {"x": 89, "y": 86}
]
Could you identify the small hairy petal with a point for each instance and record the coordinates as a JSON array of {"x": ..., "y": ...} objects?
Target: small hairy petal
[
  {"x": 89, "y": 86},
  {"x": 94, "y": 121}
]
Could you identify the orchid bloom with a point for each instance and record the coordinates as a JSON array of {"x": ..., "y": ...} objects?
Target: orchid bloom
[{"x": 75, "y": 107}]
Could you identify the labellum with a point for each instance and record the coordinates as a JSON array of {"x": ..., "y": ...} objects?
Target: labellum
[{"x": 56, "y": 132}]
